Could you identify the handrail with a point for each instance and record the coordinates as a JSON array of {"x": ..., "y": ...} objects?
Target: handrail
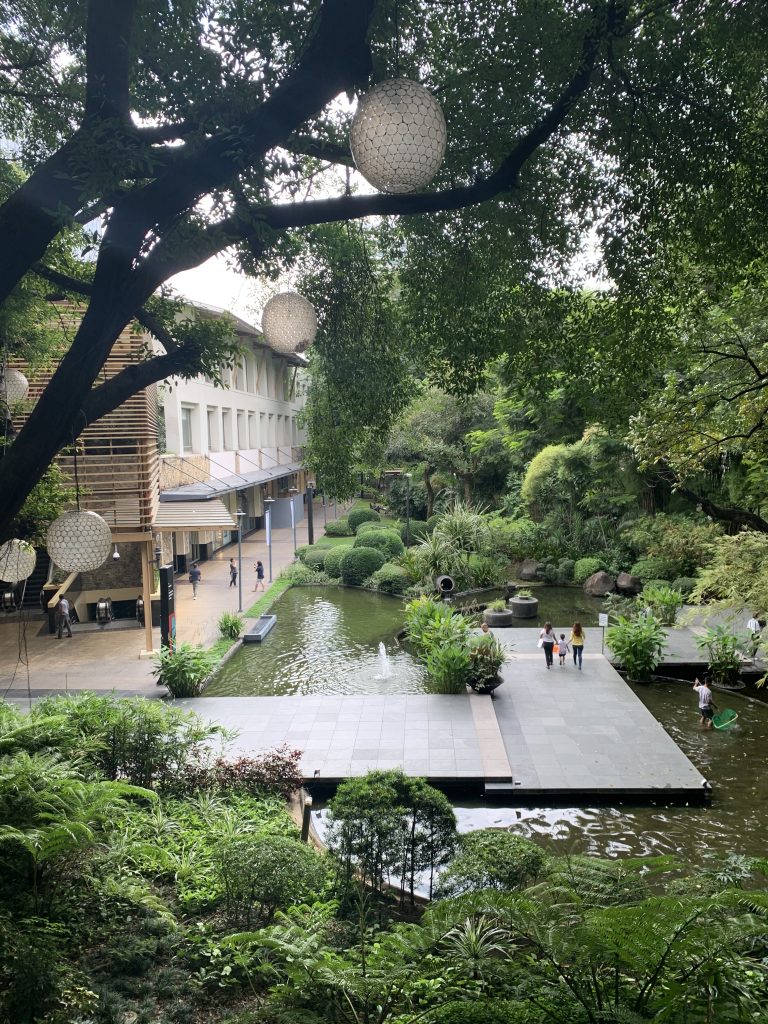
[{"x": 62, "y": 588}]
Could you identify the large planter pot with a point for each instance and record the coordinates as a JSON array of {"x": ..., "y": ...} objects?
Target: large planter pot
[
  {"x": 489, "y": 686},
  {"x": 524, "y": 607},
  {"x": 499, "y": 619}
]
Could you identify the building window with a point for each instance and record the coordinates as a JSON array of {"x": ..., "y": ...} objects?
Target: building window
[
  {"x": 242, "y": 440},
  {"x": 186, "y": 428},
  {"x": 239, "y": 377},
  {"x": 250, "y": 374},
  {"x": 226, "y": 424},
  {"x": 213, "y": 429},
  {"x": 252, "y": 439}
]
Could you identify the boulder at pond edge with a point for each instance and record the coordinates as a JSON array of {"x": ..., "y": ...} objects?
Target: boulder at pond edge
[{"x": 599, "y": 584}]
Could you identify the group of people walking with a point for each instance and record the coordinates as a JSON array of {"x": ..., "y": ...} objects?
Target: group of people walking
[{"x": 552, "y": 645}]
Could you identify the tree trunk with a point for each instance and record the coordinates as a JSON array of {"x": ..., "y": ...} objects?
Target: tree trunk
[{"x": 430, "y": 491}]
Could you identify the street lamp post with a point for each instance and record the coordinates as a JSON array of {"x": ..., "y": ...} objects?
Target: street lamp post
[
  {"x": 310, "y": 512},
  {"x": 407, "y": 510},
  {"x": 325, "y": 511},
  {"x": 240, "y": 559},
  {"x": 293, "y": 491},
  {"x": 269, "y": 502}
]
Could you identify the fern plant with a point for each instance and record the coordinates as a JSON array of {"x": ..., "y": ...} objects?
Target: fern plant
[{"x": 230, "y": 625}]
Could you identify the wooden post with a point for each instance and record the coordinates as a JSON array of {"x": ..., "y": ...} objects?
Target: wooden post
[{"x": 146, "y": 586}]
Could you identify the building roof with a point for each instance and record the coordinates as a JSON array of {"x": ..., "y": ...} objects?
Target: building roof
[
  {"x": 210, "y": 489},
  {"x": 193, "y": 515},
  {"x": 243, "y": 327}
]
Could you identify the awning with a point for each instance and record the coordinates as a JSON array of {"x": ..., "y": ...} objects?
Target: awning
[
  {"x": 193, "y": 515},
  {"x": 204, "y": 490}
]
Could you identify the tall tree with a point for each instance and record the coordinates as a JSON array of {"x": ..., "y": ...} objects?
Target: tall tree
[{"x": 190, "y": 127}]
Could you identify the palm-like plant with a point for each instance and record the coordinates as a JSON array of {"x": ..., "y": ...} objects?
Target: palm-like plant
[{"x": 464, "y": 528}]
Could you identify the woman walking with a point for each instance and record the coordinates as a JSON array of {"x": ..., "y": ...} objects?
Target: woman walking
[
  {"x": 547, "y": 639},
  {"x": 576, "y": 640},
  {"x": 259, "y": 567}
]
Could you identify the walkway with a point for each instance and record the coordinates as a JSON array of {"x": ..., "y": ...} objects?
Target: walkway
[{"x": 110, "y": 658}]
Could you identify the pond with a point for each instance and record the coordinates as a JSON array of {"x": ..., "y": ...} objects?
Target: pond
[
  {"x": 735, "y": 822},
  {"x": 327, "y": 639}
]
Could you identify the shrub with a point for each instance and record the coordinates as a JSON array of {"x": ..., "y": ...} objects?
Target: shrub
[
  {"x": 549, "y": 573},
  {"x": 485, "y": 1011},
  {"x": 486, "y": 657},
  {"x": 303, "y": 575},
  {"x": 431, "y": 624},
  {"x": 492, "y": 859},
  {"x": 431, "y": 523},
  {"x": 184, "y": 671},
  {"x": 684, "y": 541},
  {"x": 362, "y": 515},
  {"x": 314, "y": 557},
  {"x": 357, "y": 564},
  {"x": 366, "y": 527},
  {"x": 332, "y": 563},
  {"x": 583, "y": 568},
  {"x": 487, "y": 571},
  {"x": 738, "y": 572},
  {"x": 274, "y": 773},
  {"x": 565, "y": 570},
  {"x": 663, "y": 601},
  {"x": 722, "y": 647},
  {"x": 449, "y": 668},
  {"x": 387, "y": 541},
  {"x": 417, "y": 529},
  {"x": 301, "y": 550},
  {"x": 338, "y": 528},
  {"x": 230, "y": 625},
  {"x": 516, "y": 539},
  {"x": 390, "y": 579},
  {"x": 654, "y": 568},
  {"x": 638, "y": 644},
  {"x": 262, "y": 873},
  {"x": 685, "y": 585}
]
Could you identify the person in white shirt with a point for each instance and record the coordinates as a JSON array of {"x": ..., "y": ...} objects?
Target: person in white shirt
[
  {"x": 754, "y": 627},
  {"x": 706, "y": 704}
]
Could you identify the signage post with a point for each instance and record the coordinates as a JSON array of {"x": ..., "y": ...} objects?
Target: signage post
[
  {"x": 167, "y": 608},
  {"x": 602, "y": 620}
]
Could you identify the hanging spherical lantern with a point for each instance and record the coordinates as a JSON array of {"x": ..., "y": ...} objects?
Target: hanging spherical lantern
[
  {"x": 289, "y": 322},
  {"x": 79, "y": 541},
  {"x": 14, "y": 387},
  {"x": 398, "y": 136},
  {"x": 17, "y": 561}
]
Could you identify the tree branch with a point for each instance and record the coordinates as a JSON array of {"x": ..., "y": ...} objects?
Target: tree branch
[
  {"x": 118, "y": 389},
  {"x": 735, "y": 516},
  {"x": 107, "y": 46},
  {"x": 145, "y": 317}
]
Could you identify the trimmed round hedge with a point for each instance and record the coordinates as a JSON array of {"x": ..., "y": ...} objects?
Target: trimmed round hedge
[
  {"x": 387, "y": 541},
  {"x": 685, "y": 584},
  {"x": 338, "y": 528},
  {"x": 333, "y": 557},
  {"x": 390, "y": 579},
  {"x": 357, "y": 564},
  {"x": 314, "y": 557},
  {"x": 362, "y": 515},
  {"x": 418, "y": 529},
  {"x": 366, "y": 527}
]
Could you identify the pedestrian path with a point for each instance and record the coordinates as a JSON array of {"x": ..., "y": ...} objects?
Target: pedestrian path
[{"x": 31, "y": 660}]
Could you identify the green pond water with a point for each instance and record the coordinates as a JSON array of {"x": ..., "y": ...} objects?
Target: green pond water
[{"x": 326, "y": 640}]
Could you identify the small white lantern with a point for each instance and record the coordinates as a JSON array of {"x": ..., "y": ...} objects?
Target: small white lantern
[
  {"x": 289, "y": 322},
  {"x": 14, "y": 387},
  {"x": 17, "y": 561},
  {"x": 79, "y": 541},
  {"x": 398, "y": 136}
]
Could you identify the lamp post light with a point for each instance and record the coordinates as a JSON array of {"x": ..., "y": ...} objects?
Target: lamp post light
[
  {"x": 293, "y": 491},
  {"x": 269, "y": 502},
  {"x": 325, "y": 511},
  {"x": 407, "y": 510},
  {"x": 310, "y": 512},
  {"x": 240, "y": 559}
]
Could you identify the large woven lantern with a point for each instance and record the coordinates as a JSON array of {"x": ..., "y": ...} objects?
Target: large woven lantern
[
  {"x": 289, "y": 322},
  {"x": 79, "y": 541},
  {"x": 14, "y": 387},
  {"x": 17, "y": 561},
  {"x": 398, "y": 136}
]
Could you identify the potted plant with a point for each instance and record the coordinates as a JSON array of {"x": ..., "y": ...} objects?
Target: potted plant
[
  {"x": 523, "y": 604},
  {"x": 498, "y": 614},
  {"x": 638, "y": 644},
  {"x": 723, "y": 655},
  {"x": 486, "y": 656}
]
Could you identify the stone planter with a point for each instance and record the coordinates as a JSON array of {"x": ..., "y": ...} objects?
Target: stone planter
[
  {"x": 499, "y": 619},
  {"x": 524, "y": 607},
  {"x": 489, "y": 687}
]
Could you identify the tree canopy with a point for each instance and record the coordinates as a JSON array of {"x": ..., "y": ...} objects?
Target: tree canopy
[{"x": 191, "y": 128}]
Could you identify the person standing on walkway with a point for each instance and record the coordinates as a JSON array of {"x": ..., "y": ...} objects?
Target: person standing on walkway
[
  {"x": 706, "y": 704},
  {"x": 62, "y": 618},
  {"x": 576, "y": 640},
  {"x": 754, "y": 627},
  {"x": 232, "y": 572},
  {"x": 547, "y": 638},
  {"x": 259, "y": 567},
  {"x": 194, "y": 578}
]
